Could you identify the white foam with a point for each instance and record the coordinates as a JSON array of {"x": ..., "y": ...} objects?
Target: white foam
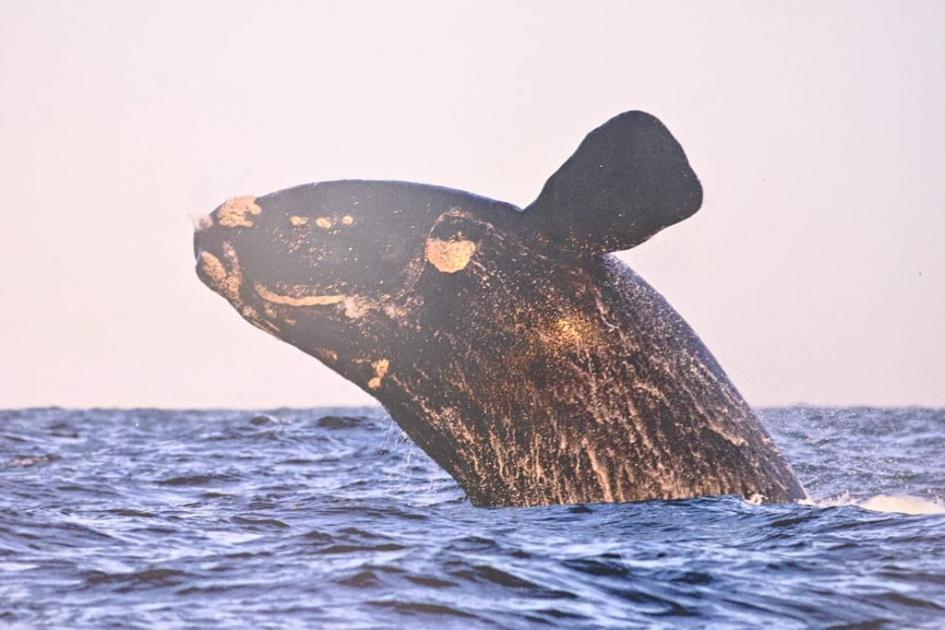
[
  {"x": 889, "y": 503},
  {"x": 904, "y": 504}
]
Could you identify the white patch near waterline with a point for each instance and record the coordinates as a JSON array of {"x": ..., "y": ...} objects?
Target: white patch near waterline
[
  {"x": 887, "y": 503},
  {"x": 903, "y": 504}
]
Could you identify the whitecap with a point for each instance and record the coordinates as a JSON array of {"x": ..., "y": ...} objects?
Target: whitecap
[{"x": 904, "y": 504}]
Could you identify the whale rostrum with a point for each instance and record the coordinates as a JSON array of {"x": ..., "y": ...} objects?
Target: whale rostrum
[{"x": 509, "y": 344}]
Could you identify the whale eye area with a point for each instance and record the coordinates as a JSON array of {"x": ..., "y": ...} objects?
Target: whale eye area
[{"x": 450, "y": 256}]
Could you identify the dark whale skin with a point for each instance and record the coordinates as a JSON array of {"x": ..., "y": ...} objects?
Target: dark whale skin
[{"x": 530, "y": 364}]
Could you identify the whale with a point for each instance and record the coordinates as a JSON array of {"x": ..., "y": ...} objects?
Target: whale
[{"x": 509, "y": 343}]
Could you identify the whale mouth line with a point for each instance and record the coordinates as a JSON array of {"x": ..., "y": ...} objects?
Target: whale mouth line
[{"x": 300, "y": 301}]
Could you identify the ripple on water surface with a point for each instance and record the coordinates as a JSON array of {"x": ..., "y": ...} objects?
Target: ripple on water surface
[{"x": 328, "y": 517}]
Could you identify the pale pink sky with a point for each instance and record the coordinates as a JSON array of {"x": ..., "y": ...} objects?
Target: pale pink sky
[{"x": 815, "y": 271}]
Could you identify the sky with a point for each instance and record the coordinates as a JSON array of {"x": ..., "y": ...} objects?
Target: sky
[{"x": 815, "y": 270}]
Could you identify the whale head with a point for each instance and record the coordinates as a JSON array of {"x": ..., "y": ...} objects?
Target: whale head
[
  {"x": 344, "y": 270},
  {"x": 332, "y": 268}
]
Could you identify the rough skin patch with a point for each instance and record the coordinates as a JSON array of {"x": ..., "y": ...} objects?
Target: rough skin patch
[
  {"x": 356, "y": 306},
  {"x": 380, "y": 371},
  {"x": 214, "y": 270},
  {"x": 234, "y": 277},
  {"x": 226, "y": 283},
  {"x": 237, "y": 212},
  {"x": 450, "y": 256},
  {"x": 303, "y": 300}
]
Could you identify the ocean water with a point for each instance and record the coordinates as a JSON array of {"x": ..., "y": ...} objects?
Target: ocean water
[{"x": 330, "y": 518}]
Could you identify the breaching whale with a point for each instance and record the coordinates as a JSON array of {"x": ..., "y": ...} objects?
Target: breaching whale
[{"x": 508, "y": 344}]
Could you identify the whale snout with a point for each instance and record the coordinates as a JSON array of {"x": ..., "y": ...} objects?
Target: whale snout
[
  {"x": 197, "y": 244},
  {"x": 220, "y": 270},
  {"x": 217, "y": 263},
  {"x": 237, "y": 212},
  {"x": 206, "y": 242},
  {"x": 211, "y": 238}
]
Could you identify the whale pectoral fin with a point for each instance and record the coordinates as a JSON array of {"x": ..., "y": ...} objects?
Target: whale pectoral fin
[{"x": 628, "y": 180}]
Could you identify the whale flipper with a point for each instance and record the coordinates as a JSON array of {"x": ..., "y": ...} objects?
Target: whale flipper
[{"x": 627, "y": 180}]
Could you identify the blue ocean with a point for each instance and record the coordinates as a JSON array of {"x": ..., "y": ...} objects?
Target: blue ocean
[{"x": 331, "y": 518}]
